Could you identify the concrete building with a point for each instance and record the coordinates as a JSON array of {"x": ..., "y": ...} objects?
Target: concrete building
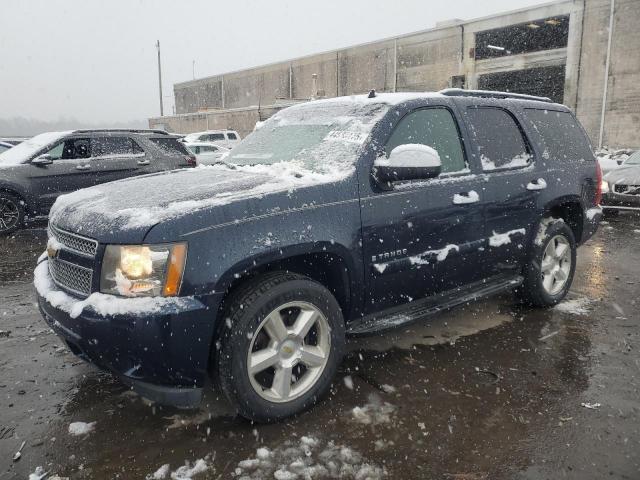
[{"x": 583, "y": 53}]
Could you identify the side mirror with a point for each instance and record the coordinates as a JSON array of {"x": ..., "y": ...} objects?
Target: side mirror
[
  {"x": 408, "y": 162},
  {"x": 44, "y": 159}
]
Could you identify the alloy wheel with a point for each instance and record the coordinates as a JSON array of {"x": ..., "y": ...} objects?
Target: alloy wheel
[
  {"x": 289, "y": 351},
  {"x": 9, "y": 214},
  {"x": 556, "y": 265}
]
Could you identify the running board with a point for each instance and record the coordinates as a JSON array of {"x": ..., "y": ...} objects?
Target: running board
[{"x": 409, "y": 313}]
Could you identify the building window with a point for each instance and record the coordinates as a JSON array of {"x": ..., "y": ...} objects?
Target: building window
[
  {"x": 546, "y": 34},
  {"x": 541, "y": 82}
]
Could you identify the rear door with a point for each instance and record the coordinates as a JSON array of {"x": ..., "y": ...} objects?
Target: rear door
[
  {"x": 114, "y": 157},
  {"x": 510, "y": 187},
  {"x": 70, "y": 170},
  {"x": 421, "y": 237}
]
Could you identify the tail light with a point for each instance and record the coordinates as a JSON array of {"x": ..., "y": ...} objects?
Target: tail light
[
  {"x": 191, "y": 160},
  {"x": 598, "y": 198}
]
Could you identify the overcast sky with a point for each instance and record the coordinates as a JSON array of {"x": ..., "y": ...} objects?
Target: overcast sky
[{"x": 95, "y": 60}]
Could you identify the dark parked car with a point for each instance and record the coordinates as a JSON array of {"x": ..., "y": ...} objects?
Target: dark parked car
[
  {"x": 35, "y": 172},
  {"x": 337, "y": 217},
  {"x": 621, "y": 187}
]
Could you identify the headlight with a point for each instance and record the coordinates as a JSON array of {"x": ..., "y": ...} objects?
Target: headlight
[
  {"x": 604, "y": 186},
  {"x": 143, "y": 270}
]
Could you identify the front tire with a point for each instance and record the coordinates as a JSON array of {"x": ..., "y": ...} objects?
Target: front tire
[
  {"x": 11, "y": 213},
  {"x": 549, "y": 272},
  {"x": 280, "y": 347}
]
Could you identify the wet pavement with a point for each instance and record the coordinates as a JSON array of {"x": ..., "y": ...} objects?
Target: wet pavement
[{"x": 488, "y": 391}]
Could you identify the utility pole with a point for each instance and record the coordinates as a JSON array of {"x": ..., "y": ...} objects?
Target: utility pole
[{"x": 160, "y": 78}]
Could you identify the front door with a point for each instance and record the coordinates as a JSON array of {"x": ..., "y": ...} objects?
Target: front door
[
  {"x": 423, "y": 237},
  {"x": 69, "y": 171}
]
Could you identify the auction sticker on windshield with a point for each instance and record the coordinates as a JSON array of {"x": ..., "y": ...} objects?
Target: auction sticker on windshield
[{"x": 346, "y": 136}]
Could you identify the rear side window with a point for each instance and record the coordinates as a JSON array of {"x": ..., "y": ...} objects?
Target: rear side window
[
  {"x": 170, "y": 145},
  {"x": 232, "y": 136},
  {"x": 499, "y": 138},
  {"x": 214, "y": 137},
  {"x": 108, "y": 146},
  {"x": 436, "y": 128},
  {"x": 562, "y": 136}
]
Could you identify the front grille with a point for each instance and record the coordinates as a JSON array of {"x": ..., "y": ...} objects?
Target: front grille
[
  {"x": 74, "y": 242},
  {"x": 627, "y": 189},
  {"x": 71, "y": 277}
]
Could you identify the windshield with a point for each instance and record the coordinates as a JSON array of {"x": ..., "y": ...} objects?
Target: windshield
[
  {"x": 321, "y": 136},
  {"x": 634, "y": 159},
  {"x": 25, "y": 150}
]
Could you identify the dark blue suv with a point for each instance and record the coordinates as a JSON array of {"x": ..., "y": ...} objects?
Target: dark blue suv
[{"x": 337, "y": 217}]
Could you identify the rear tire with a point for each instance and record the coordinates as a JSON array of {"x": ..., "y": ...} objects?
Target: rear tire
[
  {"x": 11, "y": 213},
  {"x": 549, "y": 272},
  {"x": 280, "y": 346}
]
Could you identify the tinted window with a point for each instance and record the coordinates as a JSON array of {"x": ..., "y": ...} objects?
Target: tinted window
[
  {"x": 208, "y": 148},
  {"x": 499, "y": 139},
  {"x": 107, "y": 146},
  {"x": 562, "y": 136},
  {"x": 170, "y": 145},
  {"x": 436, "y": 128},
  {"x": 213, "y": 137},
  {"x": 232, "y": 136},
  {"x": 71, "y": 149}
]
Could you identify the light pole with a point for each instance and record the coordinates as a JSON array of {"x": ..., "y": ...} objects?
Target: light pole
[{"x": 160, "y": 78}]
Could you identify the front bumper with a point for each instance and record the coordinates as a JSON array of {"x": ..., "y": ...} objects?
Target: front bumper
[
  {"x": 617, "y": 201},
  {"x": 163, "y": 354}
]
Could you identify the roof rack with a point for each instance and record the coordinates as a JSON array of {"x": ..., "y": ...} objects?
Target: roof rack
[
  {"x": 123, "y": 130},
  {"x": 459, "y": 92}
]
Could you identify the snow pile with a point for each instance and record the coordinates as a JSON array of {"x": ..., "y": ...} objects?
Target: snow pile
[
  {"x": 500, "y": 239},
  {"x": 440, "y": 254},
  {"x": 375, "y": 412},
  {"x": 592, "y": 212},
  {"x": 308, "y": 458},
  {"x": 39, "y": 474},
  {"x": 471, "y": 197},
  {"x": 100, "y": 303},
  {"x": 577, "y": 306},
  {"x": 185, "y": 472},
  {"x": 81, "y": 428},
  {"x": 542, "y": 229},
  {"x": 521, "y": 160}
]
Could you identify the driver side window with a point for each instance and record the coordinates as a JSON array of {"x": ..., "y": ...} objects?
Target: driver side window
[
  {"x": 436, "y": 128},
  {"x": 71, "y": 149}
]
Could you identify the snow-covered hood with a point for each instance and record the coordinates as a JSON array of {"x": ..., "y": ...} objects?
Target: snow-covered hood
[
  {"x": 624, "y": 175},
  {"x": 124, "y": 211}
]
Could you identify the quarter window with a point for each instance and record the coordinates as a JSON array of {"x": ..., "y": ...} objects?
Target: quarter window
[
  {"x": 108, "y": 146},
  {"x": 498, "y": 137},
  {"x": 436, "y": 128},
  {"x": 562, "y": 136},
  {"x": 232, "y": 136}
]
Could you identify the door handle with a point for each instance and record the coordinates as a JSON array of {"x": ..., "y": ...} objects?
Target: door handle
[
  {"x": 537, "y": 184},
  {"x": 86, "y": 166},
  {"x": 466, "y": 197},
  {"x": 143, "y": 162}
]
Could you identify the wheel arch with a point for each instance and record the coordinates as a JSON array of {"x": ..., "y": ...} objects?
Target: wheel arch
[
  {"x": 329, "y": 264},
  {"x": 570, "y": 209}
]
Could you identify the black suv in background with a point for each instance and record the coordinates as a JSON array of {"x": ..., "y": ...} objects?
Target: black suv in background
[
  {"x": 35, "y": 172},
  {"x": 337, "y": 217}
]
